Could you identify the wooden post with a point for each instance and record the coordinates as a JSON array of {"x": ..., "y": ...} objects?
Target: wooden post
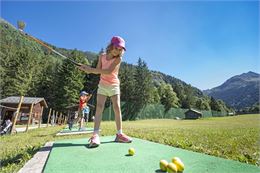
[
  {"x": 60, "y": 115},
  {"x": 67, "y": 117},
  {"x": 56, "y": 117},
  {"x": 65, "y": 120},
  {"x": 53, "y": 118},
  {"x": 61, "y": 119},
  {"x": 49, "y": 117},
  {"x": 40, "y": 119},
  {"x": 16, "y": 114},
  {"x": 30, "y": 117}
]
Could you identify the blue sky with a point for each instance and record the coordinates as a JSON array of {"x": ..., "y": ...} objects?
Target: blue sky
[{"x": 202, "y": 43}]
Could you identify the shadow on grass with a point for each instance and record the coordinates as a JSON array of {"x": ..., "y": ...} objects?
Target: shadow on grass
[
  {"x": 76, "y": 145},
  {"x": 45, "y": 148},
  {"x": 107, "y": 142},
  {"x": 67, "y": 145},
  {"x": 76, "y": 130},
  {"x": 127, "y": 155},
  {"x": 22, "y": 156},
  {"x": 159, "y": 171}
]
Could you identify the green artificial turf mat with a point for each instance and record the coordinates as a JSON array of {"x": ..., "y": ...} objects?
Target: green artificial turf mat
[{"x": 74, "y": 156}]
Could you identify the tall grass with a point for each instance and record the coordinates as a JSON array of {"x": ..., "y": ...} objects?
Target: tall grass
[{"x": 235, "y": 138}]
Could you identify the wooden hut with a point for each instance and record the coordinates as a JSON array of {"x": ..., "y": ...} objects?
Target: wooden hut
[
  {"x": 193, "y": 114},
  {"x": 29, "y": 104}
]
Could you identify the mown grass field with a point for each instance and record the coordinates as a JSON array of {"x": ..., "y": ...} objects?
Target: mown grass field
[{"x": 235, "y": 138}]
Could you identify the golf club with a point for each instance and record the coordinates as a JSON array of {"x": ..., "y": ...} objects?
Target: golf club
[{"x": 21, "y": 26}]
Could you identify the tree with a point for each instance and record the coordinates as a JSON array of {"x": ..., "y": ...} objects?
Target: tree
[
  {"x": 47, "y": 86},
  {"x": 202, "y": 104},
  {"x": 189, "y": 99},
  {"x": 22, "y": 71},
  {"x": 168, "y": 97},
  {"x": 255, "y": 108},
  {"x": 127, "y": 88},
  {"x": 179, "y": 90},
  {"x": 7, "y": 64},
  {"x": 213, "y": 104},
  {"x": 69, "y": 81},
  {"x": 218, "y": 105},
  {"x": 143, "y": 84},
  {"x": 136, "y": 89},
  {"x": 154, "y": 96}
]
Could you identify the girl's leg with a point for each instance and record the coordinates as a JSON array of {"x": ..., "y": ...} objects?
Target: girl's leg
[
  {"x": 101, "y": 99},
  {"x": 120, "y": 136},
  {"x": 94, "y": 140},
  {"x": 118, "y": 116},
  {"x": 86, "y": 118},
  {"x": 82, "y": 122}
]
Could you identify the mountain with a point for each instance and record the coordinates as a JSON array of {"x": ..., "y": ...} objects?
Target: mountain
[{"x": 239, "y": 91}]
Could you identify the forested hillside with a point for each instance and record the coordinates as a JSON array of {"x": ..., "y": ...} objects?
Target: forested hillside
[{"x": 29, "y": 69}]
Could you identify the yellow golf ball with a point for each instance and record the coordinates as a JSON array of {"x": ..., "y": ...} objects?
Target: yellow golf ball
[
  {"x": 172, "y": 168},
  {"x": 131, "y": 151},
  {"x": 163, "y": 165},
  {"x": 180, "y": 165}
]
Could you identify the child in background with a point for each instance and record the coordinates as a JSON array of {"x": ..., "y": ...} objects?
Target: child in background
[
  {"x": 83, "y": 110},
  {"x": 109, "y": 86},
  {"x": 71, "y": 120}
]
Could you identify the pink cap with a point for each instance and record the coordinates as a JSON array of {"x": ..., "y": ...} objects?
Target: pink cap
[{"x": 118, "y": 42}]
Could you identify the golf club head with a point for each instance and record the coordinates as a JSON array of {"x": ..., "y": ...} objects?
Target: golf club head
[{"x": 21, "y": 25}]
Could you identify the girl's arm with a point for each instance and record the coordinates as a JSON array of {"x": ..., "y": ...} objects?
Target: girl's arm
[
  {"x": 97, "y": 70},
  {"x": 99, "y": 65},
  {"x": 88, "y": 98}
]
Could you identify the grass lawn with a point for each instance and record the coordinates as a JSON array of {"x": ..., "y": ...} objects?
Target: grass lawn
[{"x": 235, "y": 138}]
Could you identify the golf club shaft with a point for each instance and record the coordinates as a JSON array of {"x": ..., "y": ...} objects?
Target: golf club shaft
[
  {"x": 51, "y": 49},
  {"x": 91, "y": 105}
]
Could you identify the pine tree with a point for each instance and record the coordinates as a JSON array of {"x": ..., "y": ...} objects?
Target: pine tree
[
  {"x": 69, "y": 81},
  {"x": 143, "y": 85},
  {"x": 127, "y": 87},
  {"x": 189, "y": 99},
  {"x": 8, "y": 64},
  {"x": 46, "y": 86},
  {"x": 214, "y": 105},
  {"x": 20, "y": 71},
  {"x": 179, "y": 90}
]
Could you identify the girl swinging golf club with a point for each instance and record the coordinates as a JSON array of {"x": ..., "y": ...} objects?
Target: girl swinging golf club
[{"x": 108, "y": 66}]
